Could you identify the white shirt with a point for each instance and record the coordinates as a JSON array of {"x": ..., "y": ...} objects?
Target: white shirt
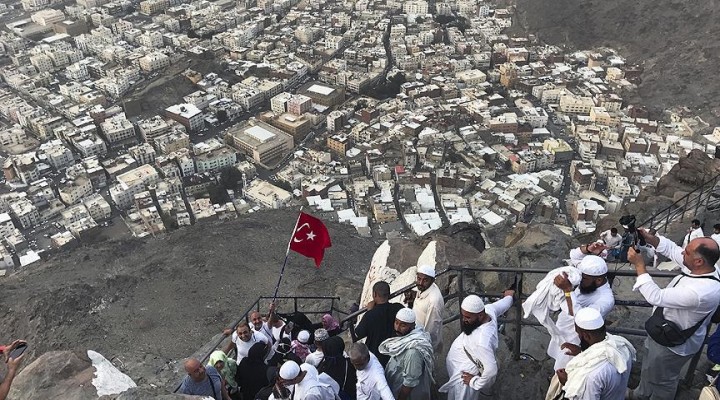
[
  {"x": 611, "y": 241},
  {"x": 716, "y": 238},
  {"x": 686, "y": 303},
  {"x": 605, "y": 383},
  {"x": 310, "y": 388},
  {"x": 314, "y": 358},
  {"x": 371, "y": 382},
  {"x": 602, "y": 299},
  {"x": 428, "y": 307},
  {"x": 695, "y": 233},
  {"x": 242, "y": 348},
  {"x": 481, "y": 344},
  {"x": 264, "y": 329},
  {"x": 276, "y": 332}
]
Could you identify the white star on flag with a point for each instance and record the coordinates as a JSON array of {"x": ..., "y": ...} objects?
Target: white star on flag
[{"x": 311, "y": 235}]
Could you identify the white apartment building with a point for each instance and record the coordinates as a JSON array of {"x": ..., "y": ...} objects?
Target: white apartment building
[
  {"x": 151, "y": 39},
  {"x": 57, "y": 154},
  {"x": 75, "y": 190},
  {"x": 6, "y": 225},
  {"x": 619, "y": 186},
  {"x": 536, "y": 117},
  {"x": 142, "y": 153},
  {"x": 90, "y": 145},
  {"x": 267, "y": 195},
  {"x": 132, "y": 183},
  {"x": 188, "y": 115},
  {"x": 278, "y": 104},
  {"x": 25, "y": 212},
  {"x": 415, "y": 7},
  {"x": 42, "y": 62},
  {"x": 98, "y": 207},
  {"x": 574, "y": 104},
  {"x": 154, "y": 61},
  {"x": 215, "y": 160},
  {"x": 117, "y": 129}
]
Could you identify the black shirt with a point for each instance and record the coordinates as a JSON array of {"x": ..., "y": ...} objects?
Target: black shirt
[{"x": 377, "y": 325}]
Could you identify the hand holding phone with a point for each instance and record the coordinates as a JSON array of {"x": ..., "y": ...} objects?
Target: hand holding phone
[{"x": 18, "y": 351}]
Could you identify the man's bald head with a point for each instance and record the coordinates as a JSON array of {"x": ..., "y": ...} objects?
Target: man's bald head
[
  {"x": 708, "y": 249},
  {"x": 256, "y": 319},
  {"x": 701, "y": 254},
  {"x": 195, "y": 369},
  {"x": 359, "y": 355}
]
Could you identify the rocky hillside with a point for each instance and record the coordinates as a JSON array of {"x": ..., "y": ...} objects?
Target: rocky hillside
[
  {"x": 148, "y": 304},
  {"x": 673, "y": 39}
]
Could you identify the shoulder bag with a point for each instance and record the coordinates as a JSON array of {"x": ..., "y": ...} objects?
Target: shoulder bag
[{"x": 668, "y": 333}]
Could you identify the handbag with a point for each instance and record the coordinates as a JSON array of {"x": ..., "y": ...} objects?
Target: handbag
[
  {"x": 710, "y": 391},
  {"x": 668, "y": 333}
]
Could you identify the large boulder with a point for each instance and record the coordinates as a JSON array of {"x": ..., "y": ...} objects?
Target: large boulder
[
  {"x": 396, "y": 261},
  {"x": 78, "y": 375}
]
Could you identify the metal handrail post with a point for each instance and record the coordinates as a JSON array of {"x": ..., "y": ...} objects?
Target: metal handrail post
[
  {"x": 684, "y": 209},
  {"x": 518, "y": 315},
  {"x": 461, "y": 294},
  {"x": 667, "y": 221}
]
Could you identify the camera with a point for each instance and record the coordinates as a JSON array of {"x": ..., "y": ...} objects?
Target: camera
[{"x": 628, "y": 223}]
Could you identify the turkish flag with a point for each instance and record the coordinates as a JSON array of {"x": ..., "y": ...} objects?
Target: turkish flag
[{"x": 311, "y": 238}]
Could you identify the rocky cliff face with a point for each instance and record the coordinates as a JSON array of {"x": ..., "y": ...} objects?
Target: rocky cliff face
[
  {"x": 672, "y": 39},
  {"x": 148, "y": 304}
]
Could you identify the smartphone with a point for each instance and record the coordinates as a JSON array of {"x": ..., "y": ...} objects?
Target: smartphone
[{"x": 18, "y": 351}]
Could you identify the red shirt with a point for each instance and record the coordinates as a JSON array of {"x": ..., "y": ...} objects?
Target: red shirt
[{"x": 2, "y": 349}]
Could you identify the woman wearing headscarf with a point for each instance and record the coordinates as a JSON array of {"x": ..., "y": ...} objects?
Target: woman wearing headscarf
[
  {"x": 331, "y": 325},
  {"x": 339, "y": 368},
  {"x": 252, "y": 371},
  {"x": 226, "y": 367}
]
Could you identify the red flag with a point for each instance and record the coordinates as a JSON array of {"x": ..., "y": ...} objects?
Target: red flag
[{"x": 311, "y": 238}]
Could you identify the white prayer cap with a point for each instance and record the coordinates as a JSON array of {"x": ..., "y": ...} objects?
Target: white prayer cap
[
  {"x": 290, "y": 370},
  {"x": 303, "y": 337},
  {"x": 473, "y": 304},
  {"x": 589, "y": 319},
  {"x": 428, "y": 270},
  {"x": 406, "y": 315},
  {"x": 593, "y": 266}
]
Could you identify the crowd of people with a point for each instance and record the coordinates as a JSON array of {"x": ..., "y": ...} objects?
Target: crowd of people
[{"x": 395, "y": 346}]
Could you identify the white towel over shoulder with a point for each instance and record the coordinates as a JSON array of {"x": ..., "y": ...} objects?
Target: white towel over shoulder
[{"x": 548, "y": 298}]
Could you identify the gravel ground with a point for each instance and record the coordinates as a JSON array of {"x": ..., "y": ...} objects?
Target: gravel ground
[{"x": 147, "y": 304}]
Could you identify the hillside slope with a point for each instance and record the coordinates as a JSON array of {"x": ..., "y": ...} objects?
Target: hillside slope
[
  {"x": 673, "y": 39},
  {"x": 150, "y": 303}
]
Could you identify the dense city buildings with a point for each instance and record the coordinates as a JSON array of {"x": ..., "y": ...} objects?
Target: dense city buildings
[{"x": 395, "y": 117}]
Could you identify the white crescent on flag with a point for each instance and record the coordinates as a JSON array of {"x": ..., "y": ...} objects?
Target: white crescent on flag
[{"x": 310, "y": 236}]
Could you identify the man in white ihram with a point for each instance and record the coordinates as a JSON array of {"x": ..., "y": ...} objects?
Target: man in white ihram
[
  {"x": 594, "y": 291},
  {"x": 304, "y": 382},
  {"x": 601, "y": 366},
  {"x": 428, "y": 304},
  {"x": 470, "y": 362}
]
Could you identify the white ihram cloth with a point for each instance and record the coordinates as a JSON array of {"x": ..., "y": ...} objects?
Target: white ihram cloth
[
  {"x": 693, "y": 234},
  {"x": 371, "y": 382},
  {"x": 481, "y": 345},
  {"x": 312, "y": 387},
  {"x": 563, "y": 331},
  {"x": 548, "y": 298},
  {"x": 428, "y": 307},
  {"x": 600, "y": 372}
]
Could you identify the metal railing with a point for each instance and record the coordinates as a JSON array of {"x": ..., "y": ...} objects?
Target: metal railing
[
  {"x": 701, "y": 195},
  {"x": 660, "y": 221},
  {"x": 518, "y": 321},
  {"x": 255, "y": 306}
]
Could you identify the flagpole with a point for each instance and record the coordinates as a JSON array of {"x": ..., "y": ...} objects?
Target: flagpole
[{"x": 287, "y": 255}]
